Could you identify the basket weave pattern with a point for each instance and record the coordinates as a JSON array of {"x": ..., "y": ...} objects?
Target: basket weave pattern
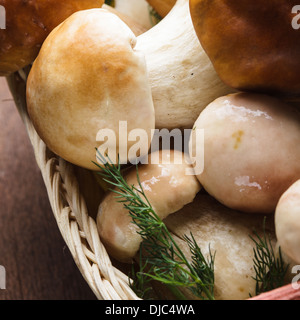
[{"x": 70, "y": 210}]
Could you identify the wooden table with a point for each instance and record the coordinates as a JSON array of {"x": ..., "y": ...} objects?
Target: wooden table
[{"x": 36, "y": 261}]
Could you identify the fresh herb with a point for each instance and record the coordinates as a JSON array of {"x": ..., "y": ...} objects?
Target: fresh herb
[
  {"x": 161, "y": 258},
  {"x": 204, "y": 268},
  {"x": 139, "y": 282},
  {"x": 270, "y": 270}
]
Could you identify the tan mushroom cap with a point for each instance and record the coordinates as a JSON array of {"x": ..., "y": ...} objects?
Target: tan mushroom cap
[
  {"x": 167, "y": 187},
  {"x": 251, "y": 150},
  {"x": 227, "y": 233},
  {"x": 287, "y": 222},
  {"x": 28, "y": 23},
  {"x": 87, "y": 77}
]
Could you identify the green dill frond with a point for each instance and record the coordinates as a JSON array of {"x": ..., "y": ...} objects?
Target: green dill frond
[
  {"x": 204, "y": 267},
  {"x": 139, "y": 281},
  {"x": 270, "y": 269}
]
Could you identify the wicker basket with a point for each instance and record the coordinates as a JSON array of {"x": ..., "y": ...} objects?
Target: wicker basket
[
  {"x": 69, "y": 188},
  {"x": 74, "y": 195}
]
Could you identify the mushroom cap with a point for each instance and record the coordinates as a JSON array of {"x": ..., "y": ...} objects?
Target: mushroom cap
[
  {"x": 251, "y": 150},
  {"x": 227, "y": 234},
  {"x": 28, "y": 23},
  {"x": 251, "y": 44},
  {"x": 167, "y": 187},
  {"x": 71, "y": 96},
  {"x": 287, "y": 222}
]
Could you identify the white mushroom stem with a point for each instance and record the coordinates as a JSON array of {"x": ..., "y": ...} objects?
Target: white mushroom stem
[{"x": 182, "y": 77}]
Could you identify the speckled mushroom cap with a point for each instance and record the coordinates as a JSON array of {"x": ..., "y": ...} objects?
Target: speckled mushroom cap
[
  {"x": 251, "y": 150},
  {"x": 86, "y": 80},
  {"x": 28, "y": 23},
  {"x": 167, "y": 187}
]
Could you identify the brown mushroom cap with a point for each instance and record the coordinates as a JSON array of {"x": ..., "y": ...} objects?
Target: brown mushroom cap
[
  {"x": 251, "y": 150},
  {"x": 71, "y": 96},
  {"x": 167, "y": 187},
  {"x": 28, "y": 23},
  {"x": 251, "y": 44}
]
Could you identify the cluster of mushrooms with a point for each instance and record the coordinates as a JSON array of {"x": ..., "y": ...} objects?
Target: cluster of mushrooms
[{"x": 227, "y": 67}]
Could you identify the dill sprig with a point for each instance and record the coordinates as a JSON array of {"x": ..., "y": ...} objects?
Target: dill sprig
[
  {"x": 270, "y": 269},
  {"x": 204, "y": 267},
  {"x": 162, "y": 259},
  {"x": 139, "y": 281}
]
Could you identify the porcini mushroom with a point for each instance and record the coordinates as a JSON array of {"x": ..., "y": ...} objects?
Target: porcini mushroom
[
  {"x": 28, "y": 23},
  {"x": 251, "y": 150},
  {"x": 287, "y": 222},
  {"x": 258, "y": 48},
  {"x": 226, "y": 234},
  {"x": 182, "y": 78},
  {"x": 167, "y": 187},
  {"x": 88, "y": 77}
]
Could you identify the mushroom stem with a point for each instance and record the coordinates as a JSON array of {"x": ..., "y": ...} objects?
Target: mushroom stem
[{"x": 182, "y": 77}]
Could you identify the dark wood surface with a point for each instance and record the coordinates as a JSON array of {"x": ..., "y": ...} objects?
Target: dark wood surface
[{"x": 38, "y": 265}]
